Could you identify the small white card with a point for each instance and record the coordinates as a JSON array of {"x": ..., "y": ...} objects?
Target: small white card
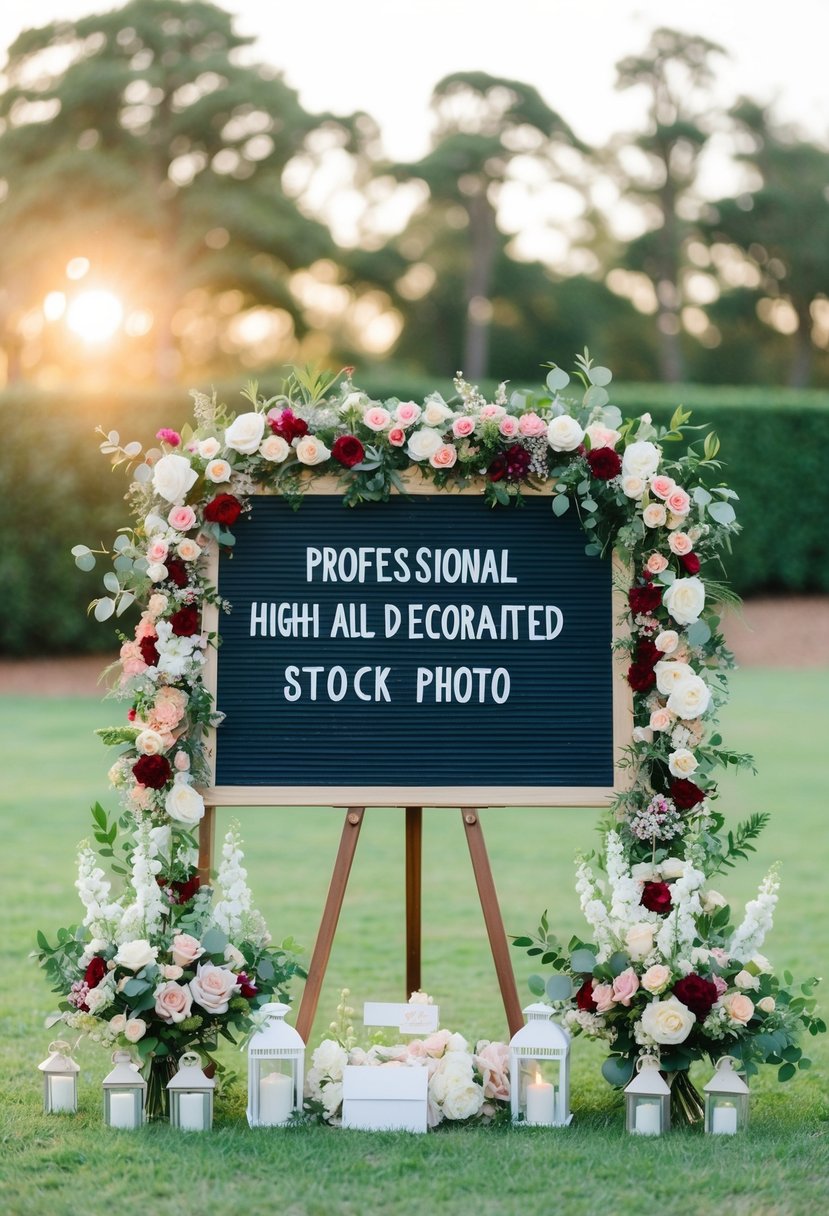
[{"x": 409, "y": 1019}]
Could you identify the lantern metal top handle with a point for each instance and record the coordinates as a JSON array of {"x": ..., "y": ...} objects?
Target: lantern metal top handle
[
  {"x": 727, "y": 1064},
  {"x": 59, "y": 1047},
  {"x": 647, "y": 1059},
  {"x": 190, "y": 1059},
  {"x": 122, "y": 1057}
]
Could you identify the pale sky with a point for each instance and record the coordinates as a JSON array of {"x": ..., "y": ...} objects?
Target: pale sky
[{"x": 384, "y": 56}]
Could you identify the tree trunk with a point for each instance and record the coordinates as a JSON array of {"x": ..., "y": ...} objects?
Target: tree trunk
[
  {"x": 800, "y": 370},
  {"x": 483, "y": 235},
  {"x": 671, "y": 363}
]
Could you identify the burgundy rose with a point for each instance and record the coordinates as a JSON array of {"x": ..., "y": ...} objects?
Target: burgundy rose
[
  {"x": 644, "y": 599},
  {"x": 641, "y": 678},
  {"x": 518, "y": 461},
  {"x": 177, "y": 572},
  {"x": 656, "y": 897},
  {"x": 584, "y": 996},
  {"x": 180, "y": 892},
  {"x": 348, "y": 450},
  {"x": 685, "y": 793},
  {"x": 95, "y": 972},
  {"x": 288, "y": 426},
  {"x": 186, "y": 621},
  {"x": 647, "y": 654},
  {"x": 690, "y": 562},
  {"x": 149, "y": 651},
  {"x": 498, "y": 469},
  {"x": 604, "y": 463},
  {"x": 697, "y": 994},
  {"x": 224, "y": 509},
  {"x": 247, "y": 988},
  {"x": 152, "y": 771}
]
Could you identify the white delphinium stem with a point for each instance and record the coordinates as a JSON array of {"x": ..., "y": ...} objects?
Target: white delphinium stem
[
  {"x": 102, "y": 913},
  {"x": 235, "y": 913},
  {"x": 625, "y": 891},
  {"x": 675, "y": 939},
  {"x": 595, "y": 910},
  {"x": 758, "y": 919},
  {"x": 144, "y": 916}
]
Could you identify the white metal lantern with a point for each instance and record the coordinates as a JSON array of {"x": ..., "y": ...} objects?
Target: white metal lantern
[
  {"x": 540, "y": 1070},
  {"x": 60, "y": 1080},
  {"x": 125, "y": 1093},
  {"x": 276, "y": 1070},
  {"x": 648, "y": 1099},
  {"x": 726, "y": 1100},
  {"x": 191, "y": 1096}
]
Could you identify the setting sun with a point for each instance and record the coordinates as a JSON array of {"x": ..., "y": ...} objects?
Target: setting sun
[{"x": 95, "y": 315}]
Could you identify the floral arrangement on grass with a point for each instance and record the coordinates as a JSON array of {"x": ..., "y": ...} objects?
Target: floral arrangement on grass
[{"x": 464, "y": 1085}]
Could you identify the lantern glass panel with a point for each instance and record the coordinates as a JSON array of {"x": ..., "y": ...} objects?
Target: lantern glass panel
[
  {"x": 60, "y": 1093},
  {"x": 191, "y": 1111},
  {"x": 124, "y": 1106},
  {"x": 648, "y": 1114},
  {"x": 273, "y": 1090},
  {"x": 725, "y": 1114},
  {"x": 540, "y": 1095}
]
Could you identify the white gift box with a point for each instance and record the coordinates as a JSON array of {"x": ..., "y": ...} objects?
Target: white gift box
[{"x": 385, "y": 1098}]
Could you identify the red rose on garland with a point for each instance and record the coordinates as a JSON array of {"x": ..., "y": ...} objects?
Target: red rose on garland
[
  {"x": 246, "y": 987},
  {"x": 177, "y": 572},
  {"x": 224, "y": 509},
  {"x": 288, "y": 426},
  {"x": 584, "y": 996},
  {"x": 644, "y": 599},
  {"x": 697, "y": 994},
  {"x": 152, "y": 771},
  {"x": 685, "y": 793},
  {"x": 348, "y": 450},
  {"x": 641, "y": 677},
  {"x": 690, "y": 562},
  {"x": 604, "y": 463},
  {"x": 95, "y": 971},
  {"x": 149, "y": 651},
  {"x": 180, "y": 892},
  {"x": 498, "y": 469},
  {"x": 647, "y": 654},
  {"x": 186, "y": 621},
  {"x": 656, "y": 897}
]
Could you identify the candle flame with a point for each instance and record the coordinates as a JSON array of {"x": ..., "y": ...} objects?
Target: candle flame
[{"x": 538, "y": 1076}]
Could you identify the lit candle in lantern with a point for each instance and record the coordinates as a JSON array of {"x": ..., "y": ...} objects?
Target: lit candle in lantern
[
  {"x": 541, "y": 1102},
  {"x": 276, "y": 1098},
  {"x": 724, "y": 1120}
]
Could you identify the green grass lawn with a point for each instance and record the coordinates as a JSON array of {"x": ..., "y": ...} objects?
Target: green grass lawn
[{"x": 53, "y": 769}]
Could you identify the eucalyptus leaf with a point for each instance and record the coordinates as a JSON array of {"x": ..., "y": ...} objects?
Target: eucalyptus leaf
[
  {"x": 600, "y": 376},
  {"x": 536, "y": 985},
  {"x": 583, "y": 961},
  {"x": 617, "y": 1071},
  {"x": 596, "y": 397},
  {"x": 121, "y": 542},
  {"x": 559, "y": 987},
  {"x": 114, "y": 438},
  {"x": 85, "y": 562},
  {"x": 561, "y": 503},
  {"x": 214, "y": 941},
  {"x": 518, "y": 401},
  {"x": 135, "y": 987},
  {"x": 132, "y": 449},
  {"x": 104, "y": 608},
  {"x": 122, "y": 563},
  {"x": 557, "y": 379},
  {"x": 79, "y": 550},
  {"x": 143, "y": 473},
  {"x": 111, "y": 582},
  {"x": 701, "y": 496},
  {"x": 698, "y": 633},
  {"x": 722, "y": 512},
  {"x": 126, "y": 601},
  {"x": 619, "y": 962}
]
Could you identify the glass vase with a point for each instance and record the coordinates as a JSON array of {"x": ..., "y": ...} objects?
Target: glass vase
[{"x": 157, "y": 1072}]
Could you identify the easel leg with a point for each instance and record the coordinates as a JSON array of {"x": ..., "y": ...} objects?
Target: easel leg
[
  {"x": 492, "y": 919},
  {"x": 207, "y": 831},
  {"x": 328, "y": 924},
  {"x": 414, "y": 840}
]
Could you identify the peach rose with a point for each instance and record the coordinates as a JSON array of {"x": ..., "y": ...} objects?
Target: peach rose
[
  {"x": 463, "y": 427},
  {"x": 208, "y": 448},
  {"x": 275, "y": 449},
  {"x": 188, "y": 550},
  {"x": 656, "y": 978},
  {"x": 135, "y": 1029},
  {"x": 444, "y": 457},
  {"x": 603, "y": 996},
  {"x": 157, "y": 604},
  {"x": 218, "y": 471},
  {"x": 678, "y": 502},
  {"x": 213, "y": 987},
  {"x": 654, "y": 515},
  {"x": 132, "y": 664},
  {"x": 493, "y": 1061},
  {"x": 185, "y": 949},
  {"x": 662, "y": 719},
  {"x": 397, "y": 437},
  {"x": 656, "y": 563},
  {"x": 311, "y": 451},
  {"x": 173, "y": 1002},
  {"x": 680, "y": 543},
  {"x": 625, "y": 986},
  {"x": 662, "y": 486},
  {"x": 739, "y": 1007}
]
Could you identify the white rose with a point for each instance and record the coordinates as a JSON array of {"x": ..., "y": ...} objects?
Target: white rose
[
  {"x": 690, "y": 699},
  {"x": 423, "y": 443},
  {"x": 668, "y": 1021},
  {"x": 642, "y": 734},
  {"x": 670, "y": 675},
  {"x": 667, "y": 641},
  {"x": 157, "y": 572},
  {"x": 135, "y": 1029},
  {"x": 464, "y": 1098},
  {"x": 118, "y": 1024},
  {"x": 711, "y": 901},
  {"x": 234, "y": 956},
  {"x": 184, "y": 804},
  {"x": 640, "y": 459},
  {"x": 633, "y": 487},
  {"x": 213, "y": 987},
  {"x": 208, "y": 448},
  {"x": 154, "y": 523},
  {"x": 685, "y": 600},
  {"x": 275, "y": 448},
  {"x": 149, "y": 743},
  {"x": 643, "y": 871},
  {"x": 767, "y": 1004},
  {"x": 672, "y": 867},
  {"x": 435, "y": 413},
  {"x": 218, "y": 471},
  {"x": 758, "y": 961},
  {"x": 245, "y": 433},
  {"x": 682, "y": 763},
  {"x": 745, "y": 980},
  {"x": 135, "y": 955},
  {"x": 330, "y": 1059},
  {"x": 564, "y": 434},
  {"x": 173, "y": 476},
  {"x": 311, "y": 450},
  {"x": 639, "y": 940},
  {"x": 99, "y": 998}
]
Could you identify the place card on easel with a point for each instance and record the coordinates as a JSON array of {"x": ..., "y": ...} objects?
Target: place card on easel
[{"x": 408, "y": 1018}]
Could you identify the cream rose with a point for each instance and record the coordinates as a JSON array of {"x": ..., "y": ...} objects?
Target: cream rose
[
  {"x": 643, "y": 734},
  {"x": 149, "y": 743},
  {"x": 157, "y": 604},
  {"x": 662, "y": 719},
  {"x": 668, "y": 1021},
  {"x": 173, "y": 476},
  {"x": 564, "y": 434},
  {"x": 157, "y": 572},
  {"x": 423, "y": 443},
  {"x": 711, "y": 900},
  {"x": 639, "y": 940},
  {"x": 188, "y": 550},
  {"x": 644, "y": 871},
  {"x": 656, "y": 978},
  {"x": 672, "y": 867},
  {"x": 670, "y": 674},
  {"x": 213, "y": 987},
  {"x": 245, "y": 433},
  {"x": 767, "y": 1004},
  {"x": 745, "y": 981},
  {"x": 134, "y": 1030},
  {"x": 436, "y": 413},
  {"x": 185, "y": 949},
  {"x": 234, "y": 956},
  {"x": 275, "y": 449},
  {"x": 173, "y": 1002},
  {"x": 690, "y": 699},
  {"x": 654, "y": 515},
  {"x": 640, "y": 459},
  {"x": 685, "y": 600},
  {"x": 118, "y": 1024},
  {"x": 682, "y": 763},
  {"x": 739, "y": 1007},
  {"x": 184, "y": 804},
  {"x": 311, "y": 450},
  {"x": 633, "y": 487},
  {"x": 218, "y": 471},
  {"x": 208, "y": 448},
  {"x": 667, "y": 641},
  {"x": 136, "y": 954},
  {"x": 172, "y": 971}
]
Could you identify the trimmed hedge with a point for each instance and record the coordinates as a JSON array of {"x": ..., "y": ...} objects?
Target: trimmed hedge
[{"x": 57, "y": 490}]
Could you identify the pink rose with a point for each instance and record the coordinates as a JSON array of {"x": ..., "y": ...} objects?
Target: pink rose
[
  {"x": 603, "y": 996},
  {"x": 407, "y": 413},
  {"x": 173, "y": 1002},
  {"x": 376, "y": 418},
  {"x": 493, "y": 1062},
  {"x": 508, "y": 426},
  {"x": 531, "y": 426},
  {"x": 434, "y": 1045},
  {"x": 444, "y": 457},
  {"x": 181, "y": 762},
  {"x": 182, "y": 519},
  {"x": 739, "y": 1007},
  {"x": 463, "y": 427},
  {"x": 489, "y": 412},
  {"x": 185, "y": 949},
  {"x": 213, "y": 987},
  {"x": 656, "y": 563},
  {"x": 397, "y": 437},
  {"x": 662, "y": 486},
  {"x": 720, "y": 984},
  {"x": 680, "y": 543},
  {"x": 157, "y": 551},
  {"x": 720, "y": 956},
  {"x": 601, "y": 436},
  {"x": 145, "y": 627},
  {"x": 661, "y": 719},
  {"x": 625, "y": 986},
  {"x": 132, "y": 664},
  {"x": 678, "y": 502}
]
